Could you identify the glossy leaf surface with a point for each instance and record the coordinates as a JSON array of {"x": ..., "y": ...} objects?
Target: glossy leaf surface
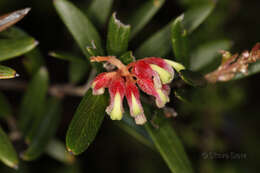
[{"x": 86, "y": 122}]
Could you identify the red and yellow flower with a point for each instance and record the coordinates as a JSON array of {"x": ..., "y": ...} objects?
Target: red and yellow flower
[{"x": 151, "y": 74}]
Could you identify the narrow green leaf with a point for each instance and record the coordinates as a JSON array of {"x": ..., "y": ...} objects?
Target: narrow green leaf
[
  {"x": 33, "y": 61},
  {"x": 11, "y": 48},
  {"x": 78, "y": 67},
  {"x": 127, "y": 57},
  {"x": 136, "y": 135},
  {"x": 179, "y": 41},
  {"x": 33, "y": 100},
  {"x": 157, "y": 45},
  {"x": 138, "y": 132},
  {"x": 197, "y": 14},
  {"x": 57, "y": 150},
  {"x": 193, "y": 78},
  {"x": 13, "y": 33},
  {"x": 66, "y": 56},
  {"x": 142, "y": 15},
  {"x": 92, "y": 51},
  {"x": 185, "y": 25},
  {"x": 43, "y": 129},
  {"x": 99, "y": 11},
  {"x": 207, "y": 53},
  {"x": 118, "y": 36},
  {"x": 8, "y": 154},
  {"x": 77, "y": 71},
  {"x": 86, "y": 122},
  {"x": 168, "y": 144},
  {"x": 7, "y": 72},
  {"x": 10, "y": 19},
  {"x": 79, "y": 25},
  {"x": 5, "y": 107}
]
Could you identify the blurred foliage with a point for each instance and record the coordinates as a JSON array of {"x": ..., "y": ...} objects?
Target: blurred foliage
[{"x": 215, "y": 120}]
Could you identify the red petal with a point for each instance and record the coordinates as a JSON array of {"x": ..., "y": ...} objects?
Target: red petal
[
  {"x": 117, "y": 85},
  {"x": 136, "y": 108},
  {"x": 160, "y": 62},
  {"x": 102, "y": 81},
  {"x": 143, "y": 71}
]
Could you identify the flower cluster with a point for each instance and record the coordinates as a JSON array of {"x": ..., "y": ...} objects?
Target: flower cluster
[{"x": 151, "y": 74}]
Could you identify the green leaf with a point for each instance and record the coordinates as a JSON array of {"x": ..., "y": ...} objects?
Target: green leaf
[
  {"x": 57, "y": 150},
  {"x": 138, "y": 132},
  {"x": 5, "y": 107},
  {"x": 78, "y": 67},
  {"x": 10, "y": 19},
  {"x": 92, "y": 51},
  {"x": 157, "y": 45},
  {"x": 193, "y": 78},
  {"x": 13, "y": 33},
  {"x": 67, "y": 56},
  {"x": 179, "y": 41},
  {"x": 118, "y": 36},
  {"x": 77, "y": 71},
  {"x": 207, "y": 53},
  {"x": 184, "y": 25},
  {"x": 33, "y": 61},
  {"x": 86, "y": 122},
  {"x": 7, "y": 72},
  {"x": 33, "y": 100},
  {"x": 99, "y": 11},
  {"x": 43, "y": 129},
  {"x": 79, "y": 25},
  {"x": 127, "y": 57},
  {"x": 11, "y": 48},
  {"x": 168, "y": 144},
  {"x": 142, "y": 15},
  {"x": 8, "y": 154},
  {"x": 197, "y": 14}
]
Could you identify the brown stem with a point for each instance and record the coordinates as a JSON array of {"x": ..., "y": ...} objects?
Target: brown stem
[
  {"x": 55, "y": 90},
  {"x": 113, "y": 60},
  {"x": 59, "y": 90}
]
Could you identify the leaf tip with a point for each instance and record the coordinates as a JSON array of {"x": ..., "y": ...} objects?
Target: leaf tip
[
  {"x": 70, "y": 151},
  {"x": 36, "y": 42},
  {"x": 25, "y": 11},
  {"x": 118, "y": 22},
  {"x": 15, "y": 166},
  {"x": 157, "y": 3},
  {"x": 51, "y": 53},
  {"x": 16, "y": 75}
]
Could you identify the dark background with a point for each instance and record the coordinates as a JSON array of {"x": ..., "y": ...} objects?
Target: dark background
[{"x": 224, "y": 119}]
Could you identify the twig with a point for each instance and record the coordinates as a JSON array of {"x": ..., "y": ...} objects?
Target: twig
[
  {"x": 59, "y": 90},
  {"x": 234, "y": 64},
  {"x": 56, "y": 90}
]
